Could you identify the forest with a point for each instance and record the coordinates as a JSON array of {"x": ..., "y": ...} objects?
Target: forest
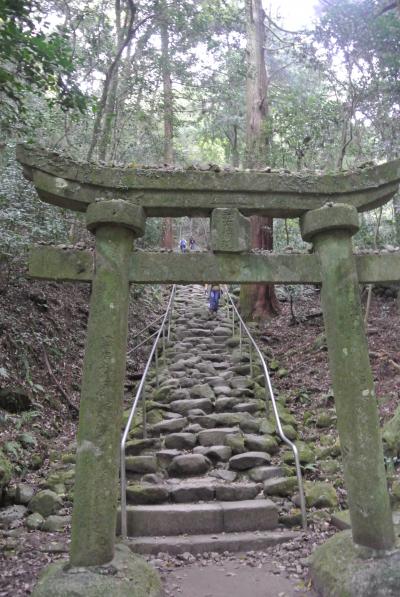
[{"x": 204, "y": 86}]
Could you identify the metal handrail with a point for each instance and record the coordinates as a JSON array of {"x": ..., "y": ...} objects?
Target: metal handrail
[
  {"x": 140, "y": 393},
  {"x": 142, "y": 342},
  {"x": 287, "y": 441},
  {"x": 144, "y": 329}
]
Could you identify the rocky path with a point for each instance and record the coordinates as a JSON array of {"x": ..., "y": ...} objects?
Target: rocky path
[{"x": 208, "y": 477}]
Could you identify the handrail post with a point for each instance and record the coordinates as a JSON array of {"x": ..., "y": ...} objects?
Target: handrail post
[
  {"x": 156, "y": 363},
  {"x": 170, "y": 312},
  {"x": 124, "y": 530},
  {"x": 144, "y": 413},
  {"x": 251, "y": 359},
  {"x": 240, "y": 338},
  {"x": 233, "y": 322},
  {"x": 163, "y": 345}
]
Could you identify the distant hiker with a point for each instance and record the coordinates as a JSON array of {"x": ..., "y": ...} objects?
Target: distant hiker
[
  {"x": 183, "y": 245},
  {"x": 191, "y": 243},
  {"x": 214, "y": 296}
]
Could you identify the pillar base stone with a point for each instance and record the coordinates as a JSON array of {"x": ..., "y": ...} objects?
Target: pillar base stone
[
  {"x": 126, "y": 575},
  {"x": 339, "y": 568}
]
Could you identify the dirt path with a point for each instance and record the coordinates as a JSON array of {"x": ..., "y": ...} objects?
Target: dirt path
[{"x": 232, "y": 579}]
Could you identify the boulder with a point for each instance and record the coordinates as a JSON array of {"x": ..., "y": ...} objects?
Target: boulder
[
  {"x": 134, "y": 447},
  {"x": 218, "y": 453},
  {"x": 10, "y": 515},
  {"x": 55, "y": 524},
  {"x": 267, "y": 427},
  {"x": 222, "y": 390},
  {"x": 237, "y": 491},
  {"x": 328, "y": 451},
  {"x": 251, "y": 406},
  {"x": 165, "y": 457},
  {"x": 280, "y": 486},
  {"x": 236, "y": 443},
  {"x": 262, "y": 473},
  {"x": 174, "y": 425},
  {"x": 141, "y": 464},
  {"x": 225, "y": 475},
  {"x": 163, "y": 392},
  {"x": 292, "y": 518},
  {"x": 45, "y": 502},
  {"x": 242, "y": 462},
  {"x": 225, "y": 403},
  {"x": 189, "y": 464},
  {"x": 202, "y": 391},
  {"x": 180, "y": 441},
  {"x": 213, "y": 437},
  {"x": 261, "y": 443},
  {"x": 242, "y": 382},
  {"x": 183, "y": 406},
  {"x": 193, "y": 492},
  {"x": 146, "y": 493},
  {"x": 23, "y": 494},
  {"x": 290, "y": 432},
  {"x": 320, "y": 495},
  {"x": 329, "y": 467},
  {"x": 306, "y": 454},
  {"x": 34, "y": 521}
]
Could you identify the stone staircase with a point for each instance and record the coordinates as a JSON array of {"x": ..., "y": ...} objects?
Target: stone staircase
[{"x": 205, "y": 477}]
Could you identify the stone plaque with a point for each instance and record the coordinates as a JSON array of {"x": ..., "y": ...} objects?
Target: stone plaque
[{"x": 230, "y": 231}]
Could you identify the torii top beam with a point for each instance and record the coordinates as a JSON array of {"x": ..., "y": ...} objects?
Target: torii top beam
[{"x": 190, "y": 192}]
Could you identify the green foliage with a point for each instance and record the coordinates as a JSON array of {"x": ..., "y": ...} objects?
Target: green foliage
[
  {"x": 24, "y": 219},
  {"x": 32, "y": 60}
]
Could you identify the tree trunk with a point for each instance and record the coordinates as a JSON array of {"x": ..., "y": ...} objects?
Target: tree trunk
[
  {"x": 130, "y": 32},
  {"x": 257, "y": 301},
  {"x": 167, "y": 233},
  {"x": 110, "y": 107},
  {"x": 235, "y": 148},
  {"x": 396, "y": 211},
  {"x": 167, "y": 93}
]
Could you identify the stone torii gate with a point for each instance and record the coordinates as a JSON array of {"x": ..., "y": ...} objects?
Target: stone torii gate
[{"x": 117, "y": 202}]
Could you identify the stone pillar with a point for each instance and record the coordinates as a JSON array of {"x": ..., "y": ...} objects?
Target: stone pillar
[
  {"x": 330, "y": 229},
  {"x": 116, "y": 224}
]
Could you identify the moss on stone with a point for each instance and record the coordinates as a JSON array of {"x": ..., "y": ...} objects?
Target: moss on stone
[
  {"x": 339, "y": 568},
  {"x": 236, "y": 442},
  {"x": 5, "y": 470},
  {"x": 329, "y": 467},
  {"x": 391, "y": 434},
  {"x": 320, "y": 495},
  {"x": 325, "y": 419},
  {"x": 306, "y": 454},
  {"x": 127, "y": 575}
]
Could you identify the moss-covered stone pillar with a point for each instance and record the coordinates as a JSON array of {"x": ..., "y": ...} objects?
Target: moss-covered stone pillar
[
  {"x": 115, "y": 224},
  {"x": 330, "y": 229}
]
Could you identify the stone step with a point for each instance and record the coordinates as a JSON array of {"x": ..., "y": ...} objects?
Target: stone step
[
  {"x": 209, "y": 517},
  {"x": 195, "y": 544},
  {"x": 194, "y": 490}
]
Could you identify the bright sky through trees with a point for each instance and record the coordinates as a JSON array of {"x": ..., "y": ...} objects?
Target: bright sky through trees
[{"x": 296, "y": 14}]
